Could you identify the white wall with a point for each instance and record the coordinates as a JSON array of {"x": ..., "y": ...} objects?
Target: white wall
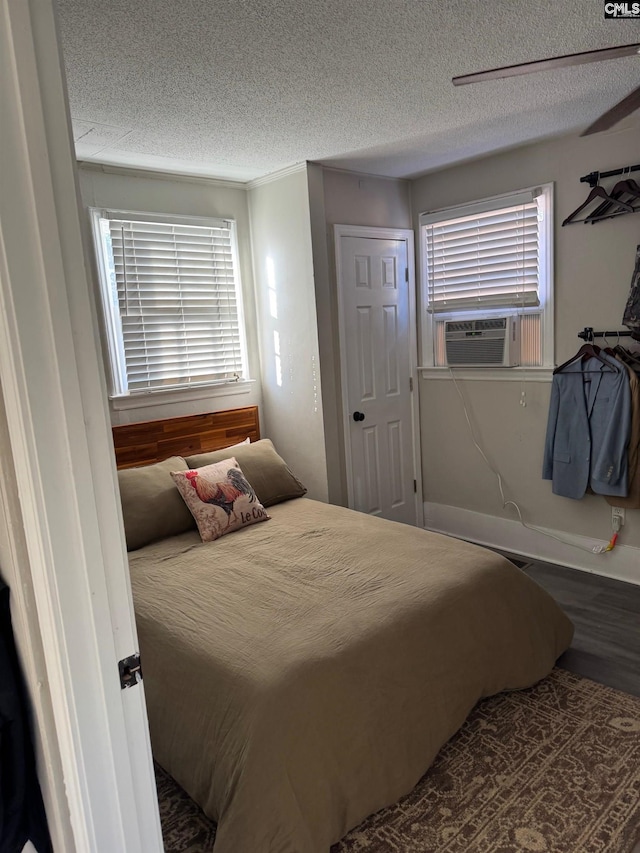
[
  {"x": 123, "y": 189},
  {"x": 343, "y": 198},
  {"x": 283, "y": 272},
  {"x": 593, "y": 266},
  {"x": 327, "y": 319},
  {"x": 355, "y": 199}
]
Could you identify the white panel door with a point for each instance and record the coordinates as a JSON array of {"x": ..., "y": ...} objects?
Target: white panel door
[{"x": 377, "y": 339}]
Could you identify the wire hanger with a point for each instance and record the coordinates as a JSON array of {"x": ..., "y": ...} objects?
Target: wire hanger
[
  {"x": 597, "y": 192},
  {"x": 607, "y": 349},
  {"x": 630, "y": 358}
]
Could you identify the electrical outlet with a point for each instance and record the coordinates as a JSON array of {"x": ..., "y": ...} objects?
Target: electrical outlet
[{"x": 618, "y": 512}]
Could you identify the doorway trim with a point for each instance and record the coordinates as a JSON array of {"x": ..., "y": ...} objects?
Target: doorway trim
[
  {"x": 59, "y": 443},
  {"x": 407, "y": 235}
]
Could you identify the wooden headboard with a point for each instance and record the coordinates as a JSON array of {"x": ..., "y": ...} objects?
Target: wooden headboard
[{"x": 152, "y": 441}]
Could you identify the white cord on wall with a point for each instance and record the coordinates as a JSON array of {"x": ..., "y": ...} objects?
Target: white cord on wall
[{"x": 596, "y": 549}]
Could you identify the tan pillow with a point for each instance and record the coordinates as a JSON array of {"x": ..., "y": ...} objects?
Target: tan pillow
[
  {"x": 220, "y": 498},
  {"x": 267, "y": 472},
  {"x": 152, "y": 507}
]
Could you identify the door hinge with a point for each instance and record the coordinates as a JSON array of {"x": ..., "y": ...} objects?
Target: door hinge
[
  {"x": 415, "y": 485},
  {"x": 406, "y": 273},
  {"x": 411, "y": 383},
  {"x": 130, "y": 671}
]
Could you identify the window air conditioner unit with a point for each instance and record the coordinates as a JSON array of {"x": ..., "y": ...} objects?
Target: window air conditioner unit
[{"x": 491, "y": 342}]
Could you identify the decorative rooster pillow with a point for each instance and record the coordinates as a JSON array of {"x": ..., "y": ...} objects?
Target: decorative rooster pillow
[{"x": 220, "y": 498}]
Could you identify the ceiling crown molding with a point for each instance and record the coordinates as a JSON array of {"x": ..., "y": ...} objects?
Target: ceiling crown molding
[
  {"x": 160, "y": 175},
  {"x": 276, "y": 176}
]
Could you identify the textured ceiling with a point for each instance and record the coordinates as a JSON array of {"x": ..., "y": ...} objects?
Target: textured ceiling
[{"x": 241, "y": 88}]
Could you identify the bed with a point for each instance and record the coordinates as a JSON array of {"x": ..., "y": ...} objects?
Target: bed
[{"x": 302, "y": 673}]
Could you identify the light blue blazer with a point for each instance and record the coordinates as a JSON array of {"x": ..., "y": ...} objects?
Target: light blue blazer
[{"x": 588, "y": 429}]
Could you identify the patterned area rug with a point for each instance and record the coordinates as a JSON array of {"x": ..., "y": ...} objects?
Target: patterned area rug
[{"x": 552, "y": 769}]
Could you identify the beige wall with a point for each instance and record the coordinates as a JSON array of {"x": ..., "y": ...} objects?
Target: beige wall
[
  {"x": 343, "y": 198},
  {"x": 593, "y": 266},
  {"x": 354, "y": 199},
  {"x": 283, "y": 271},
  {"x": 157, "y": 193}
]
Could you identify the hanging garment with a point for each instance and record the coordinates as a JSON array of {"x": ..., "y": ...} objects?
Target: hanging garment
[
  {"x": 588, "y": 429},
  {"x": 22, "y": 816},
  {"x": 632, "y": 500},
  {"x": 631, "y": 317}
]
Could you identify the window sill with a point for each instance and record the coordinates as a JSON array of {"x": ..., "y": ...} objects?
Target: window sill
[
  {"x": 497, "y": 374},
  {"x": 182, "y": 395}
]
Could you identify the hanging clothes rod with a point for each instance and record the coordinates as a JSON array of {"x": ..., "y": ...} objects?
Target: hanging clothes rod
[
  {"x": 587, "y": 334},
  {"x": 593, "y": 177}
]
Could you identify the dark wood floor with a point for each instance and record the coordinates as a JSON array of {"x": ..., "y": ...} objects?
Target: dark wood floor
[{"x": 606, "y": 615}]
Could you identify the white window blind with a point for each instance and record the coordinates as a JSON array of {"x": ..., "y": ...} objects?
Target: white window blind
[
  {"x": 486, "y": 259},
  {"x": 174, "y": 290}
]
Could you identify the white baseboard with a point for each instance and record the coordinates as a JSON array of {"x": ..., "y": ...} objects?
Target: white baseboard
[{"x": 623, "y": 563}]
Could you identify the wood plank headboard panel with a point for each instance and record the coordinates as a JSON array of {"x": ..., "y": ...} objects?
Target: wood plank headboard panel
[{"x": 152, "y": 441}]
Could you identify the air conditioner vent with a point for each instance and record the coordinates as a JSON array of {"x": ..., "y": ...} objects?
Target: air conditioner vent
[
  {"x": 493, "y": 323},
  {"x": 487, "y": 342},
  {"x": 461, "y": 326}
]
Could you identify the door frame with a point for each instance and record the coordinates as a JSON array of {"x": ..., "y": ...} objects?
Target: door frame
[
  {"x": 66, "y": 530},
  {"x": 406, "y": 235}
]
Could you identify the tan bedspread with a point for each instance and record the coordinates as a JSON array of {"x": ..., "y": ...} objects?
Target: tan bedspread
[{"x": 303, "y": 673}]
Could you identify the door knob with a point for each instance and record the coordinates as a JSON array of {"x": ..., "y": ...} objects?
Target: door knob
[{"x": 358, "y": 416}]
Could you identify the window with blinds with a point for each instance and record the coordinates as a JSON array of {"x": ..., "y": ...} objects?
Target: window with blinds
[
  {"x": 171, "y": 296},
  {"x": 487, "y": 259},
  {"x": 490, "y": 258}
]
